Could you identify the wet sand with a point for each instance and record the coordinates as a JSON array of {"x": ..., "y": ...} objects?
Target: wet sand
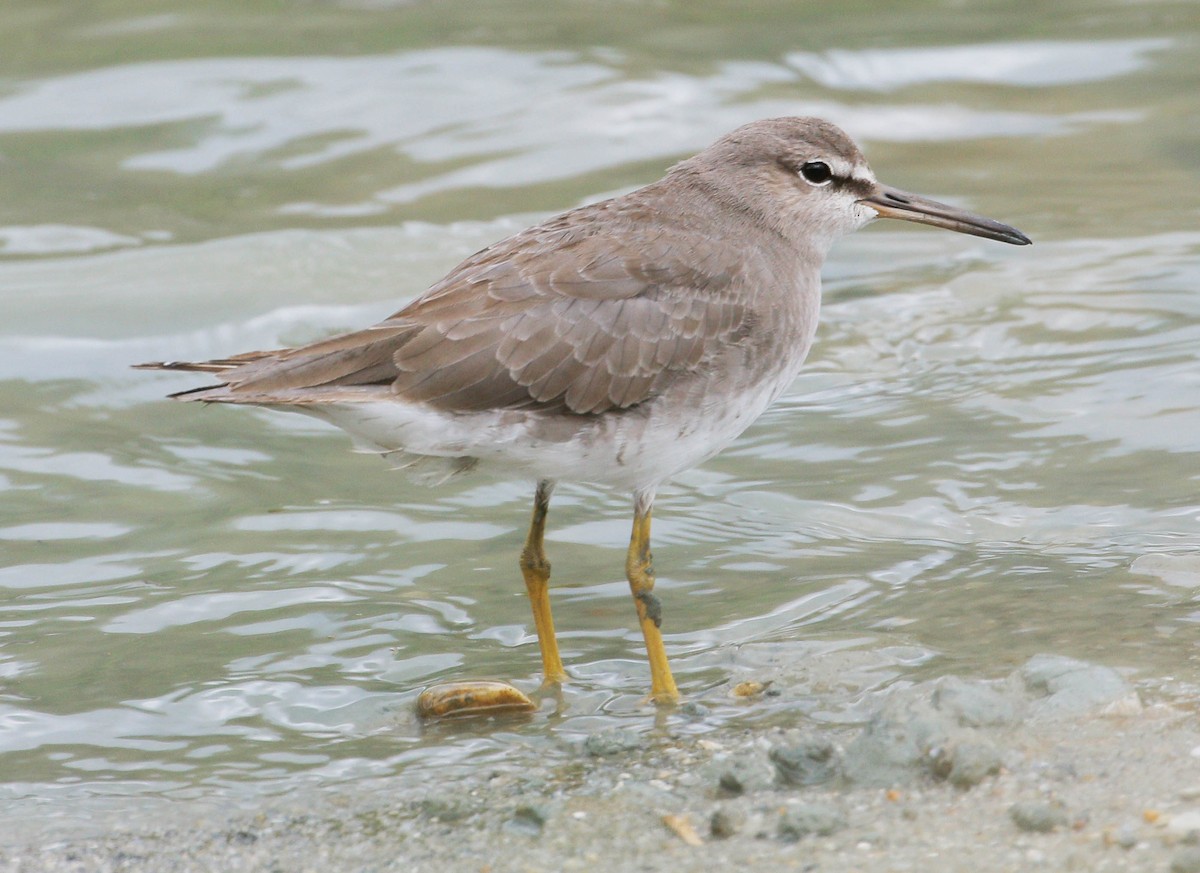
[{"x": 1062, "y": 765}]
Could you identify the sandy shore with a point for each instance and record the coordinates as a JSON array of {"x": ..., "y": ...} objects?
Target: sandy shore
[{"x": 1061, "y": 766}]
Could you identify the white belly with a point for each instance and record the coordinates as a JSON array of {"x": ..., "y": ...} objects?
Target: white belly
[
  {"x": 636, "y": 448},
  {"x": 632, "y": 449}
]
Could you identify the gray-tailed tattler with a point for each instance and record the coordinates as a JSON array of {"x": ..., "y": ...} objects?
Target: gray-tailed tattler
[{"x": 619, "y": 343}]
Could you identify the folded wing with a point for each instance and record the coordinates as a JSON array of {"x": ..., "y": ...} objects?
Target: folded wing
[{"x": 559, "y": 316}]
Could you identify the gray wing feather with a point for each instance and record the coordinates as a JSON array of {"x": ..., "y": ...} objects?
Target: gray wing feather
[{"x": 562, "y": 315}]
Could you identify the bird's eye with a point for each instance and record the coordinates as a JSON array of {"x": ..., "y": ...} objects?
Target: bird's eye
[{"x": 816, "y": 172}]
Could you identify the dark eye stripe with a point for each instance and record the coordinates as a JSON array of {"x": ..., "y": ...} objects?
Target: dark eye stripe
[{"x": 860, "y": 187}]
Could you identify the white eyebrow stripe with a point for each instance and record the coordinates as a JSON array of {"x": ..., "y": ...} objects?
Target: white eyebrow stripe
[{"x": 840, "y": 167}]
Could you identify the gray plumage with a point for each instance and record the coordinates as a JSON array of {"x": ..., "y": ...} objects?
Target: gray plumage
[{"x": 618, "y": 343}]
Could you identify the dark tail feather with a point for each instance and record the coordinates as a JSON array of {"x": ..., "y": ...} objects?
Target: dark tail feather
[
  {"x": 218, "y": 366},
  {"x": 185, "y": 395}
]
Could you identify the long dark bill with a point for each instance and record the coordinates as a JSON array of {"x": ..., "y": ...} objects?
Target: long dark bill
[{"x": 893, "y": 203}]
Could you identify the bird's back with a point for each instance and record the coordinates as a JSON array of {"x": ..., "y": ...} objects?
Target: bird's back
[{"x": 603, "y": 307}]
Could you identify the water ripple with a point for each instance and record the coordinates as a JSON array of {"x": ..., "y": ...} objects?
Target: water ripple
[
  {"x": 991, "y": 452},
  {"x": 1029, "y": 64}
]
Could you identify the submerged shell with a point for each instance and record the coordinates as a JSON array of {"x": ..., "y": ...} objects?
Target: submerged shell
[{"x": 471, "y": 698}]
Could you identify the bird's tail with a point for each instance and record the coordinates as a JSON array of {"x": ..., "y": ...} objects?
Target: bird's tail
[{"x": 217, "y": 365}]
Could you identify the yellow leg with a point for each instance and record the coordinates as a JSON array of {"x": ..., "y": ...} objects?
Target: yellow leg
[
  {"x": 536, "y": 570},
  {"x": 639, "y": 570}
]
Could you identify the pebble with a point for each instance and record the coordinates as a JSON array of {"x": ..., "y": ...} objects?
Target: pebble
[
  {"x": 528, "y": 819},
  {"x": 443, "y": 809},
  {"x": 1124, "y": 707},
  {"x": 974, "y": 704},
  {"x": 967, "y": 764},
  {"x": 682, "y": 828},
  {"x": 1071, "y": 687},
  {"x": 1183, "y": 823},
  {"x": 809, "y": 762},
  {"x": 725, "y": 822},
  {"x": 749, "y": 689},
  {"x": 611, "y": 742},
  {"x": 745, "y": 773},
  {"x": 1187, "y": 861},
  {"x": 895, "y": 742},
  {"x": 1037, "y": 817},
  {"x": 817, "y": 818},
  {"x": 1126, "y": 836}
]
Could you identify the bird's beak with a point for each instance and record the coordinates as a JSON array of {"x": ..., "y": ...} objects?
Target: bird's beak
[{"x": 894, "y": 203}]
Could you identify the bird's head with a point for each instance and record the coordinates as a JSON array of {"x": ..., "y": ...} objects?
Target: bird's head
[{"x": 807, "y": 179}]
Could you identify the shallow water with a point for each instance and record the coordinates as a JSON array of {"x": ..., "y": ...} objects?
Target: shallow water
[{"x": 992, "y": 451}]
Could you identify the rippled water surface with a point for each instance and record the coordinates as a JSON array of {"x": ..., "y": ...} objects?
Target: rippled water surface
[{"x": 992, "y": 452}]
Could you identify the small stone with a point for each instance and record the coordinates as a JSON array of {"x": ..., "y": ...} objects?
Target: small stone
[
  {"x": 443, "y": 810},
  {"x": 1071, "y": 687},
  {"x": 967, "y": 764},
  {"x": 750, "y": 688},
  {"x": 1037, "y": 817},
  {"x": 744, "y": 773},
  {"x": 1124, "y": 707},
  {"x": 757, "y": 824},
  {"x": 1187, "y": 861},
  {"x": 528, "y": 819},
  {"x": 1184, "y": 823},
  {"x": 682, "y": 828},
  {"x": 1126, "y": 836},
  {"x": 809, "y": 762},
  {"x": 895, "y": 742},
  {"x": 821, "y": 819},
  {"x": 973, "y": 704},
  {"x": 606, "y": 743},
  {"x": 725, "y": 822}
]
